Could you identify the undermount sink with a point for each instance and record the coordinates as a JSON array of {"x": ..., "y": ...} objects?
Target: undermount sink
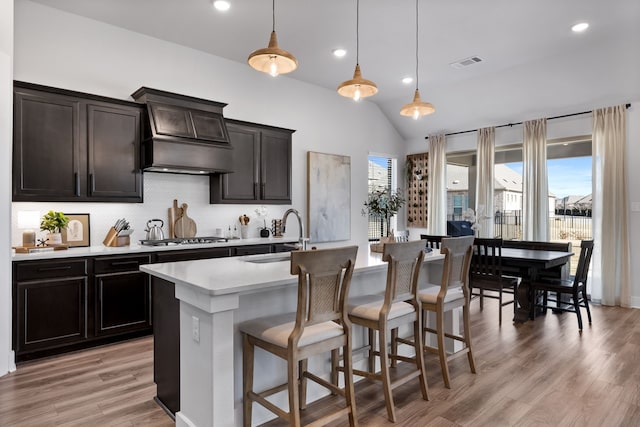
[{"x": 265, "y": 259}]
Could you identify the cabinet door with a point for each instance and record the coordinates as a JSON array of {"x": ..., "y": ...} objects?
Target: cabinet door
[
  {"x": 122, "y": 303},
  {"x": 113, "y": 137},
  {"x": 46, "y": 151},
  {"x": 252, "y": 250},
  {"x": 51, "y": 313},
  {"x": 241, "y": 186},
  {"x": 171, "y": 120},
  {"x": 275, "y": 167}
]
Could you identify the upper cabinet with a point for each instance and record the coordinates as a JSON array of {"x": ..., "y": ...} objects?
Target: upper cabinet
[
  {"x": 70, "y": 146},
  {"x": 261, "y": 161}
]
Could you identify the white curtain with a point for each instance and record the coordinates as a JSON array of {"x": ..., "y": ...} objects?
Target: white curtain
[
  {"x": 535, "y": 189},
  {"x": 610, "y": 262},
  {"x": 485, "y": 181},
  {"x": 437, "y": 187}
]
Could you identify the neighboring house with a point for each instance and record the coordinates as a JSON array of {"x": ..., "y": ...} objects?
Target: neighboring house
[
  {"x": 507, "y": 193},
  {"x": 574, "y": 204},
  {"x": 378, "y": 177}
]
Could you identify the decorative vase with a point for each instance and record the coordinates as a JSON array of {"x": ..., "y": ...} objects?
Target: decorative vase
[
  {"x": 264, "y": 232},
  {"x": 54, "y": 239}
]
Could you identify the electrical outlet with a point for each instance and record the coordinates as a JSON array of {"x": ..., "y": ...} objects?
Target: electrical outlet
[{"x": 195, "y": 328}]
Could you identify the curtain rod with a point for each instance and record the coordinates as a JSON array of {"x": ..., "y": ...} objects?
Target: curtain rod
[{"x": 519, "y": 123}]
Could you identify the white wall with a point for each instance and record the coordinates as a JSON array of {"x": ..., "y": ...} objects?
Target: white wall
[
  {"x": 58, "y": 49},
  {"x": 6, "y": 124},
  {"x": 568, "y": 127}
]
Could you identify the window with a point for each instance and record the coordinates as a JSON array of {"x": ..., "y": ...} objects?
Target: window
[{"x": 382, "y": 176}]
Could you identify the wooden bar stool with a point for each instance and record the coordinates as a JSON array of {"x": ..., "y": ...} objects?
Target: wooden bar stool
[
  {"x": 385, "y": 313},
  {"x": 453, "y": 292},
  {"x": 320, "y": 324}
]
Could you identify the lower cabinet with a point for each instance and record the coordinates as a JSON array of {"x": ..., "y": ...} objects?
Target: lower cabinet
[
  {"x": 123, "y": 295},
  {"x": 50, "y": 305}
]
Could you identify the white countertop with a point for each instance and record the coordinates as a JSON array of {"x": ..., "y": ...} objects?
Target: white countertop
[
  {"x": 135, "y": 248},
  {"x": 222, "y": 276}
]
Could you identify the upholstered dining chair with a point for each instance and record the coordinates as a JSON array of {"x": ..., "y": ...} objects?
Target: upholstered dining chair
[
  {"x": 451, "y": 293},
  {"x": 486, "y": 275},
  {"x": 576, "y": 288},
  {"x": 433, "y": 241},
  {"x": 320, "y": 324},
  {"x": 385, "y": 313}
]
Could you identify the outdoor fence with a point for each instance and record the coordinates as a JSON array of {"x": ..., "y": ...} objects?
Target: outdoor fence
[{"x": 508, "y": 225}]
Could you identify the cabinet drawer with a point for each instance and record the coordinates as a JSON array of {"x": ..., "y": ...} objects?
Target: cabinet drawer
[
  {"x": 51, "y": 269},
  {"x": 118, "y": 264},
  {"x": 252, "y": 250},
  {"x": 192, "y": 254}
]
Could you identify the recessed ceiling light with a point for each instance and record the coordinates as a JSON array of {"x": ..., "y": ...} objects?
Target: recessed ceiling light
[
  {"x": 407, "y": 80},
  {"x": 578, "y": 28},
  {"x": 221, "y": 5},
  {"x": 339, "y": 53}
]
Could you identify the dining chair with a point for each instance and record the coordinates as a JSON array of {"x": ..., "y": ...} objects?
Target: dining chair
[
  {"x": 576, "y": 288},
  {"x": 486, "y": 279},
  {"x": 450, "y": 294},
  {"x": 402, "y": 236},
  {"x": 433, "y": 241},
  {"x": 385, "y": 313},
  {"x": 320, "y": 324}
]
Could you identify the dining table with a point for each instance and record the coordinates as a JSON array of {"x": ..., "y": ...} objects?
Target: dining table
[{"x": 529, "y": 263}]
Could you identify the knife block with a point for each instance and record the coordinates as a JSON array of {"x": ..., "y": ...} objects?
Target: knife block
[{"x": 112, "y": 239}]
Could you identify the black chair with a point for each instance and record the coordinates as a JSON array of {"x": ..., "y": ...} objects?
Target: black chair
[
  {"x": 576, "y": 288},
  {"x": 433, "y": 241},
  {"x": 486, "y": 274}
]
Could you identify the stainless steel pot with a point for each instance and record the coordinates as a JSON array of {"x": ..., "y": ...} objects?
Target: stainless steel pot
[{"x": 154, "y": 231}]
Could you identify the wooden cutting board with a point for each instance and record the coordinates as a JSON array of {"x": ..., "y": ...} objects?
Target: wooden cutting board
[
  {"x": 185, "y": 227},
  {"x": 174, "y": 213}
]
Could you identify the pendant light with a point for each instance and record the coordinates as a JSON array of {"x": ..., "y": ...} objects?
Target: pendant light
[
  {"x": 272, "y": 59},
  {"x": 357, "y": 87},
  {"x": 417, "y": 108}
]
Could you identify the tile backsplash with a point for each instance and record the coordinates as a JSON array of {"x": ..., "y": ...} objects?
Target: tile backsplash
[{"x": 159, "y": 191}]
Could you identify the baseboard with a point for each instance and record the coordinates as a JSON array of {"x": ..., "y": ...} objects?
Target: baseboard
[{"x": 11, "y": 363}]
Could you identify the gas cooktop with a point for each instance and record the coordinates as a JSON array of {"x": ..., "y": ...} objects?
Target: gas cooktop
[{"x": 183, "y": 241}]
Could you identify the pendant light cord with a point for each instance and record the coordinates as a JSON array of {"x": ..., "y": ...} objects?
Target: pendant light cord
[
  {"x": 357, "y": 32},
  {"x": 417, "y": 38},
  {"x": 273, "y": 14}
]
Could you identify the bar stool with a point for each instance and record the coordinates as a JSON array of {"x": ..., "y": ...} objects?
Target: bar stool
[
  {"x": 385, "y": 313},
  {"x": 453, "y": 292},
  {"x": 320, "y": 324}
]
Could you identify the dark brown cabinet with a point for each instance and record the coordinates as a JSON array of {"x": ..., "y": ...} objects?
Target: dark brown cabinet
[
  {"x": 50, "y": 305},
  {"x": 123, "y": 295},
  {"x": 70, "y": 146},
  {"x": 261, "y": 162}
]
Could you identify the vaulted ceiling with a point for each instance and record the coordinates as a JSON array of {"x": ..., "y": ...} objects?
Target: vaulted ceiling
[{"x": 532, "y": 66}]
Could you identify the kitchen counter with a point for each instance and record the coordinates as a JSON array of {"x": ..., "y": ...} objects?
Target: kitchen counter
[
  {"x": 215, "y": 295},
  {"x": 135, "y": 248}
]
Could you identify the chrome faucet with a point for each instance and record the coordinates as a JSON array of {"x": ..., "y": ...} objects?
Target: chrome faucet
[{"x": 302, "y": 240}]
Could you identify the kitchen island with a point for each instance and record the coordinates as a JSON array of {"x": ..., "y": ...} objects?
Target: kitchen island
[{"x": 214, "y": 297}]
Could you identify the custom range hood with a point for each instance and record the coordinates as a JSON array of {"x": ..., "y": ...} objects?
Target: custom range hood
[{"x": 183, "y": 134}]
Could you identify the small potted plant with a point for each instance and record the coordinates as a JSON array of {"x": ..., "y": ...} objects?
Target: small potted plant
[
  {"x": 384, "y": 204},
  {"x": 262, "y": 212},
  {"x": 54, "y": 223}
]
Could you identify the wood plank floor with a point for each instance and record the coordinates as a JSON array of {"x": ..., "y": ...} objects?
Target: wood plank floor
[{"x": 542, "y": 373}]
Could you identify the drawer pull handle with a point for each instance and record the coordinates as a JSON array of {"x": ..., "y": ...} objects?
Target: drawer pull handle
[
  {"x": 121, "y": 263},
  {"x": 62, "y": 267}
]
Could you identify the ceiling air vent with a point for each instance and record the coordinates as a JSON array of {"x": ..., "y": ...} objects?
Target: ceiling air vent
[{"x": 466, "y": 62}]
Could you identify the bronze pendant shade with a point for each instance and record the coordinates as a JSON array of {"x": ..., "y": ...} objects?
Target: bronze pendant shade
[
  {"x": 417, "y": 108},
  {"x": 357, "y": 87},
  {"x": 272, "y": 59}
]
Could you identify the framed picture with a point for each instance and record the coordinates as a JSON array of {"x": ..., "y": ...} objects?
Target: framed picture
[
  {"x": 328, "y": 197},
  {"x": 77, "y": 233}
]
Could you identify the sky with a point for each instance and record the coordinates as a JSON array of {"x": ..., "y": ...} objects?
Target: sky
[{"x": 567, "y": 177}]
